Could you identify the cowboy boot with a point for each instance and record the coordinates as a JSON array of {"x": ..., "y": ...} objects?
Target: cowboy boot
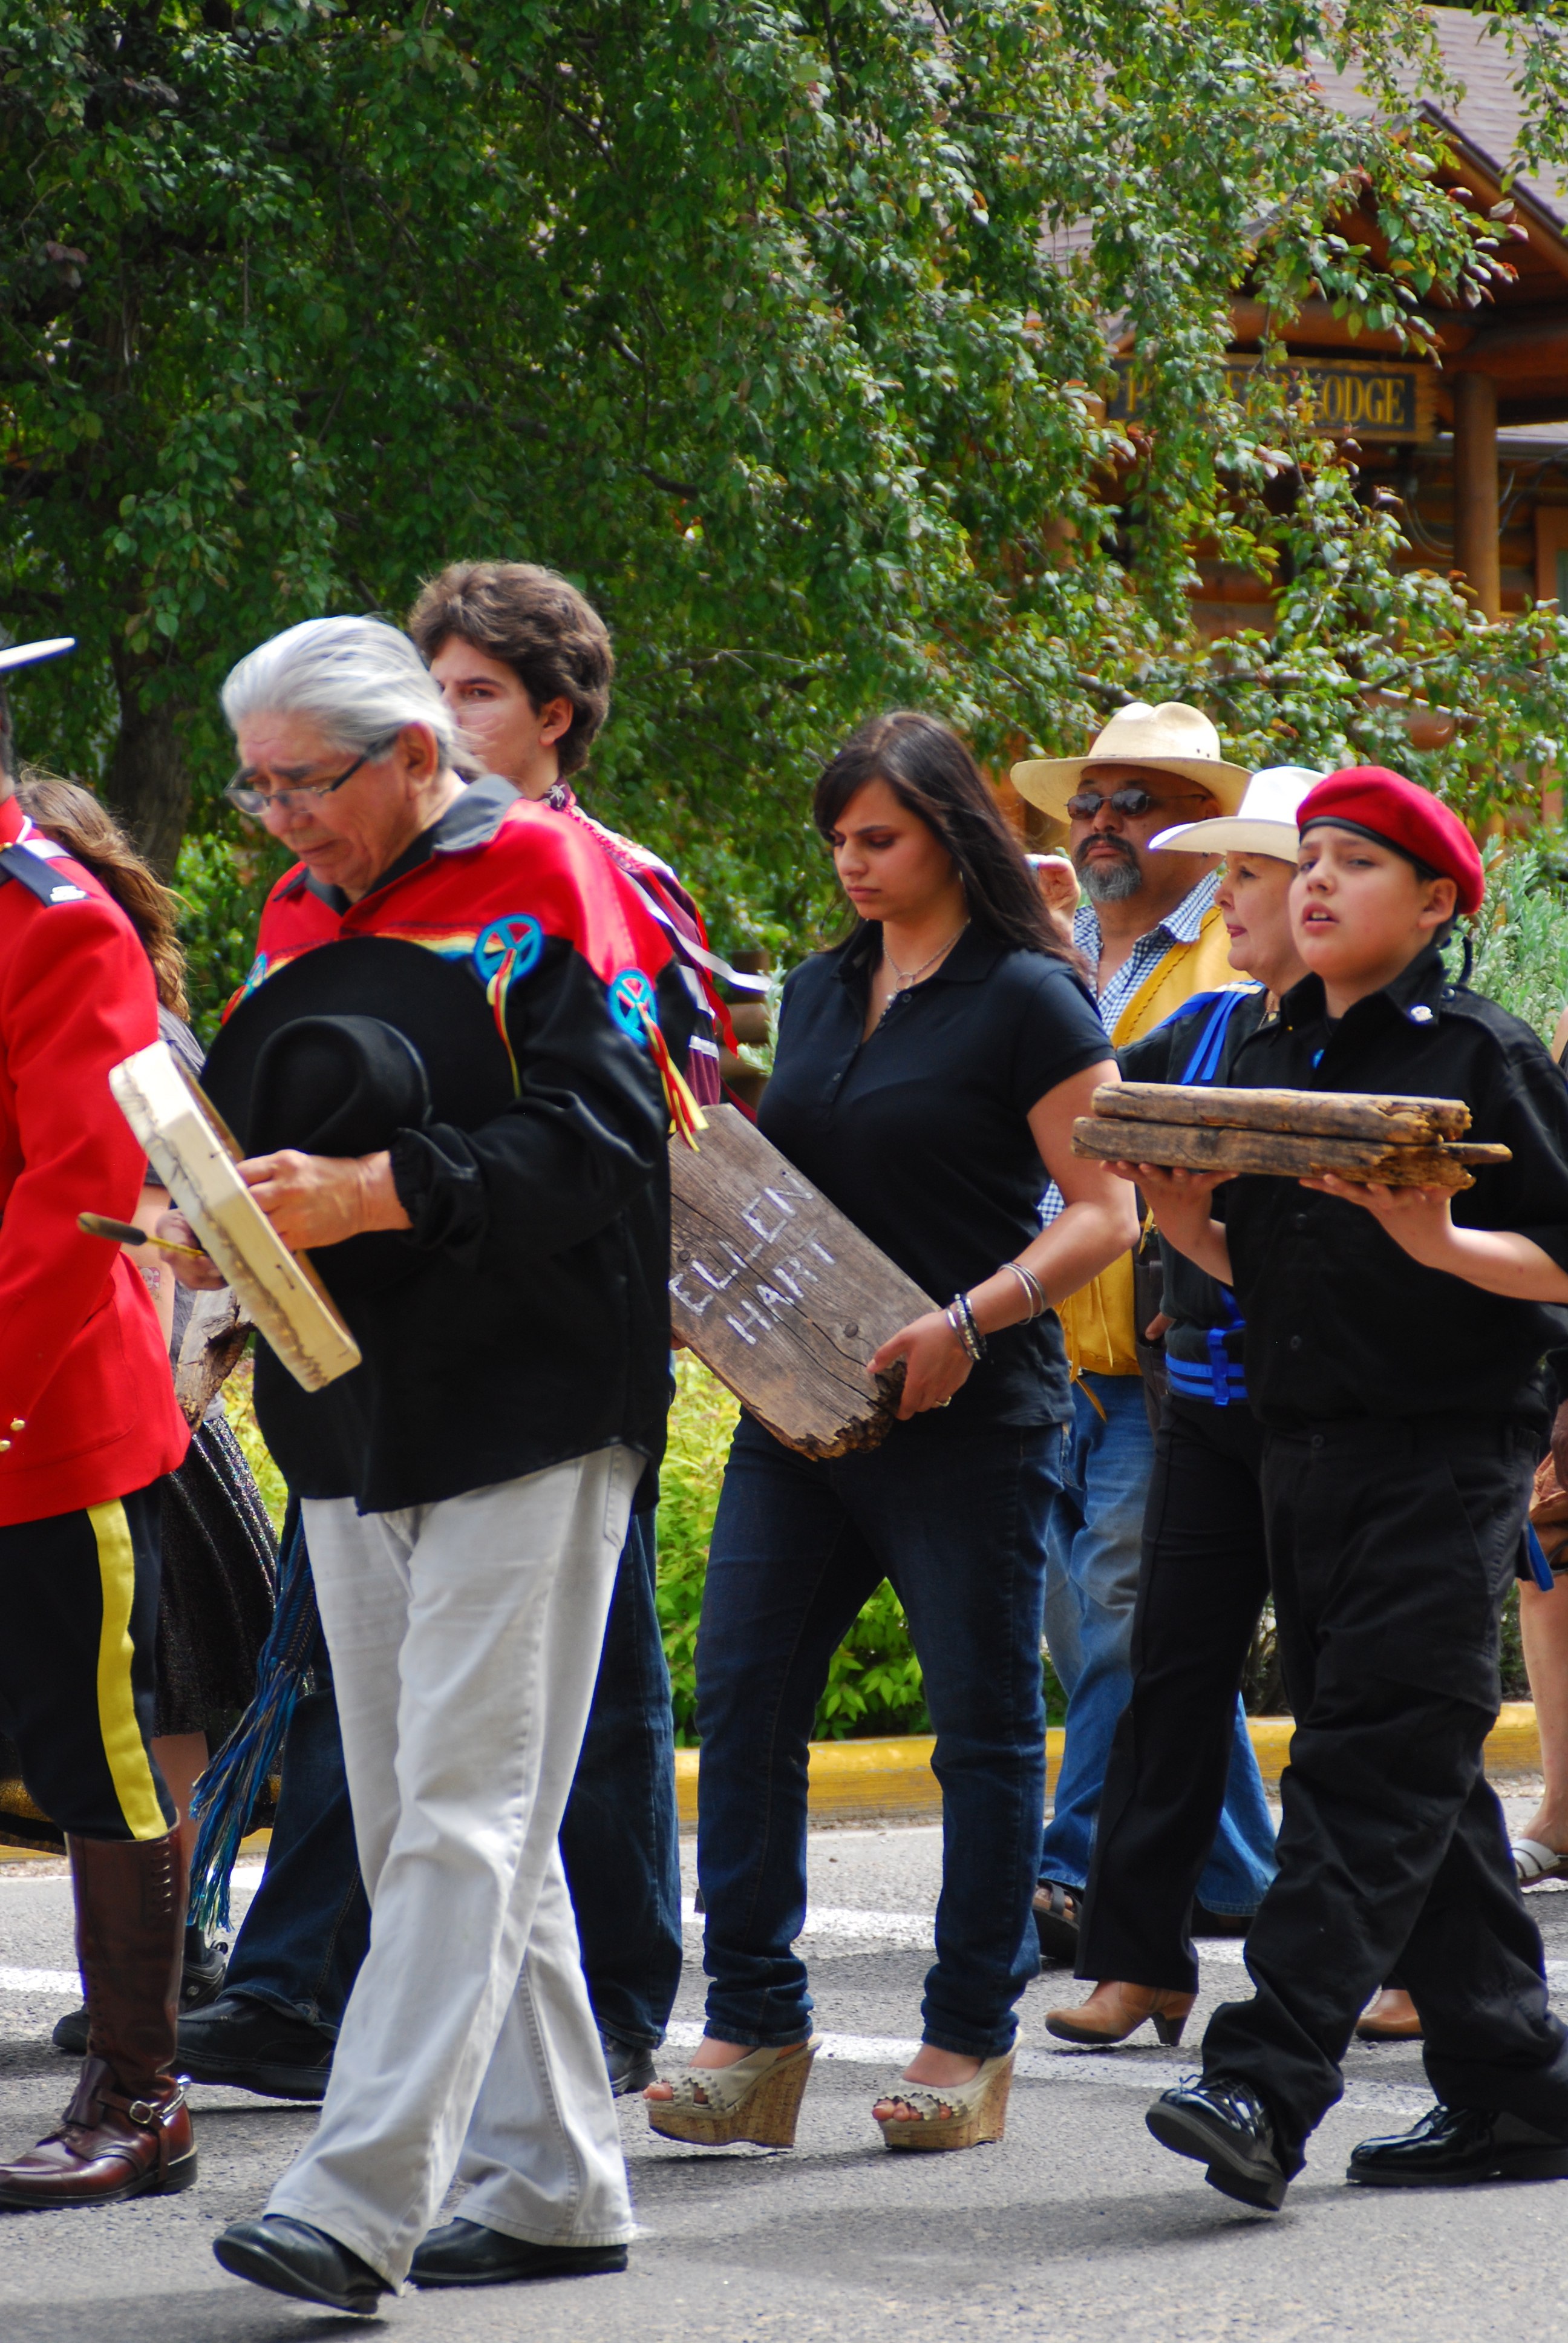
[{"x": 128, "y": 2131}]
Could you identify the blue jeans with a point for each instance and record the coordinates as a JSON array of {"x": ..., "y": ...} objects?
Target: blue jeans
[
  {"x": 957, "y": 1523},
  {"x": 1093, "y": 1553},
  {"x": 305, "y": 1932}
]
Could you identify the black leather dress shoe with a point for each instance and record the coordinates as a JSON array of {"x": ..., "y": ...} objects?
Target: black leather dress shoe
[
  {"x": 252, "y": 2047},
  {"x": 290, "y": 2258},
  {"x": 628, "y": 2066},
  {"x": 1222, "y": 2126},
  {"x": 465, "y": 2253},
  {"x": 1452, "y": 2146}
]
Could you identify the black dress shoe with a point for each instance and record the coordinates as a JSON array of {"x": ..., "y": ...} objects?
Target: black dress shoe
[
  {"x": 291, "y": 2258},
  {"x": 465, "y": 2253},
  {"x": 201, "y": 1981},
  {"x": 1452, "y": 2146},
  {"x": 1057, "y": 1913},
  {"x": 1222, "y": 2126},
  {"x": 252, "y": 2047},
  {"x": 628, "y": 2066}
]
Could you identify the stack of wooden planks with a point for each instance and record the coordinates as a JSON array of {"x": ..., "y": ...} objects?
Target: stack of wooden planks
[{"x": 1395, "y": 1143}]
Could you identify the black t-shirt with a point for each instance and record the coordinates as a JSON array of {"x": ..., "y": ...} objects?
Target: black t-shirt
[
  {"x": 1339, "y": 1321},
  {"x": 920, "y": 1134}
]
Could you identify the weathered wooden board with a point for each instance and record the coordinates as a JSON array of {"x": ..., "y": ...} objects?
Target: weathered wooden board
[
  {"x": 779, "y": 1294},
  {"x": 1330, "y": 1114},
  {"x": 1292, "y": 1155}
]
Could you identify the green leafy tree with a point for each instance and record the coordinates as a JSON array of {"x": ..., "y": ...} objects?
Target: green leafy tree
[{"x": 783, "y": 329}]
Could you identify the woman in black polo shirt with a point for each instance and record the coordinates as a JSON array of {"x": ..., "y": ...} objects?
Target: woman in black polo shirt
[{"x": 923, "y": 1071}]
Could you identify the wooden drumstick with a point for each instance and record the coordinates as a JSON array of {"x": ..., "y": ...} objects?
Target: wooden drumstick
[{"x": 98, "y": 1224}]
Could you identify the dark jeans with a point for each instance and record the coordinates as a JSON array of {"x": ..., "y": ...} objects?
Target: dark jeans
[
  {"x": 957, "y": 1523},
  {"x": 620, "y": 1839},
  {"x": 1391, "y": 1546},
  {"x": 301, "y": 1943},
  {"x": 304, "y": 1934},
  {"x": 1203, "y": 1583}
]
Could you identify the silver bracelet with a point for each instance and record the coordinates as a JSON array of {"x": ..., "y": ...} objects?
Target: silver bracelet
[{"x": 1034, "y": 1293}]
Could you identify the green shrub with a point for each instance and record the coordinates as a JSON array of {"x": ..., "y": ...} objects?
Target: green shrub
[
  {"x": 223, "y": 883},
  {"x": 1521, "y": 939}
]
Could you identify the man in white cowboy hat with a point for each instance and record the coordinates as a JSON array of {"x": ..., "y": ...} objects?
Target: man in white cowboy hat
[{"x": 1152, "y": 936}]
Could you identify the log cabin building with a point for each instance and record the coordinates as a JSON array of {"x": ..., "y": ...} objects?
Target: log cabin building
[{"x": 1476, "y": 447}]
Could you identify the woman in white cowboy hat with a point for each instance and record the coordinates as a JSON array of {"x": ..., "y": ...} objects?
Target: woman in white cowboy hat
[
  {"x": 1205, "y": 1575},
  {"x": 1152, "y": 936}
]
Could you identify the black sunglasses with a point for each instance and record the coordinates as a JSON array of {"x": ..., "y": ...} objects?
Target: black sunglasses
[{"x": 1089, "y": 802}]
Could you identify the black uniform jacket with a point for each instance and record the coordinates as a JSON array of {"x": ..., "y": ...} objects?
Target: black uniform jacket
[{"x": 1340, "y": 1322}]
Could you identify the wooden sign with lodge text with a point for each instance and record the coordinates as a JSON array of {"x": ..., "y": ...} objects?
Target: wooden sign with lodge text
[{"x": 780, "y": 1295}]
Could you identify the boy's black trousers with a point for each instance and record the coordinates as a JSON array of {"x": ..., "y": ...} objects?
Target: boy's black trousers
[
  {"x": 1200, "y": 1588},
  {"x": 1391, "y": 1547},
  {"x": 79, "y": 1598}
]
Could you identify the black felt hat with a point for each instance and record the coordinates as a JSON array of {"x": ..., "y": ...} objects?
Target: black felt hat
[
  {"x": 336, "y": 1086},
  {"x": 346, "y": 1047}
]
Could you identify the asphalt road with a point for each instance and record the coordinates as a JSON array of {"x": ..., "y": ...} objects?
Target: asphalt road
[{"x": 1075, "y": 2226}]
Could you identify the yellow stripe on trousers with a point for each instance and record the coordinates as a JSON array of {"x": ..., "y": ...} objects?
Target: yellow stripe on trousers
[{"x": 123, "y": 1750}]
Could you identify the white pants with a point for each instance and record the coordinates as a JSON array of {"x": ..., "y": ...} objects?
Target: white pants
[{"x": 465, "y": 1639}]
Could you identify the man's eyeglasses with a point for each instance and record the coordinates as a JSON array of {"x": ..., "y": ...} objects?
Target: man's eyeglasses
[
  {"x": 1132, "y": 801},
  {"x": 255, "y": 801}
]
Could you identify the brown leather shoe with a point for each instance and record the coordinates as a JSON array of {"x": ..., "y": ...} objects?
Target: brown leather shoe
[
  {"x": 1113, "y": 2011},
  {"x": 128, "y": 2131},
  {"x": 109, "y": 2145},
  {"x": 1392, "y": 2017}
]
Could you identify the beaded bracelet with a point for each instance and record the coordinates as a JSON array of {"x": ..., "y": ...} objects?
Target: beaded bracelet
[{"x": 961, "y": 1319}]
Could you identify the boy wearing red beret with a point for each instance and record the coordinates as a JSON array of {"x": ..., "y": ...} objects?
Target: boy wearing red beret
[{"x": 1393, "y": 1348}]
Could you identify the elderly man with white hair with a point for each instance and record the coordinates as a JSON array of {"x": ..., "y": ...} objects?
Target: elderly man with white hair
[{"x": 450, "y": 1069}]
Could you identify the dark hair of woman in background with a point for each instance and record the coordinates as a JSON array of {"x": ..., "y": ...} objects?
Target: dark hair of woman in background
[{"x": 926, "y": 1078}]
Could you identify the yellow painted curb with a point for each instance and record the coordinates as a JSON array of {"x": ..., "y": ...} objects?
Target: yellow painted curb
[
  {"x": 891, "y": 1781},
  {"x": 256, "y": 1843}
]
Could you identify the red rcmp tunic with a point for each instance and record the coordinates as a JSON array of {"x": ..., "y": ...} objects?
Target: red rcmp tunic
[{"x": 86, "y": 1398}]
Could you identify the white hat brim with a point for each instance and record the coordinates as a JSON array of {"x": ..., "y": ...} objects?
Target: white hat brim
[
  {"x": 31, "y": 654},
  {"x": 1231, "y": 835},
  {"x": 1049, "y": 781}
]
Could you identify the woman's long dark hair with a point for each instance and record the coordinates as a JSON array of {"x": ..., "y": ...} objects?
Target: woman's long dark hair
[
  {"x": 934, "y": 777},
  {"x": 73, "y": 817}
]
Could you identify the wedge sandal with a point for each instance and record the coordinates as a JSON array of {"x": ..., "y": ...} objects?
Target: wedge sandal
[
  {"x": 757, "y": 2099},
  {"x": 959, "y": 2115}
]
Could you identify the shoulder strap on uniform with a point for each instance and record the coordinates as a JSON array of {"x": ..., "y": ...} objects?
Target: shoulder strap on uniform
[{"x": 17, "y": 862}]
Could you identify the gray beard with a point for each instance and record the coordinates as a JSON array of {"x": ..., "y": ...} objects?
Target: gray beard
[{"x": 1110, "y": 882}]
